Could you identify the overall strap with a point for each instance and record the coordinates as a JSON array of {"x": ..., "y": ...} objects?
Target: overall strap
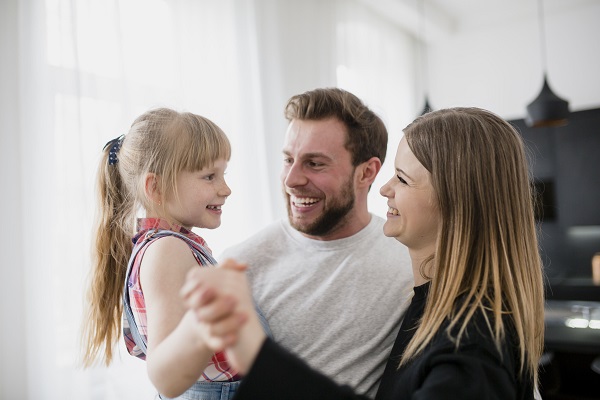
[{"x": 201, "y": 254}]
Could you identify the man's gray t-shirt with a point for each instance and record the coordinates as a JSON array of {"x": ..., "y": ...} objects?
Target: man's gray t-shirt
[{"x": 335, "y": 304}]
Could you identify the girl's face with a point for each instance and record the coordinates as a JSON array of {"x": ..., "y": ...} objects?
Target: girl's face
[
  {"x": 413, "y": 217},
  {"x": 200, "y": 197}
]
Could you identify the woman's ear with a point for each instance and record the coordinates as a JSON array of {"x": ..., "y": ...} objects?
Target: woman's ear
[{"x": 152, "y": 188}]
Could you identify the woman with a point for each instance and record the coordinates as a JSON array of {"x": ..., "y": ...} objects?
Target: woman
[{"x": 460, "y": 200}]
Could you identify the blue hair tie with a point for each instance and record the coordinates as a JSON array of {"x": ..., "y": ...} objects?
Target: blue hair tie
[{"x": 115, "y": 146}]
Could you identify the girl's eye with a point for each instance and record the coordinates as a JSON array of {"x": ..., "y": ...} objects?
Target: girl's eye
[
  {"x": 210, "y": 177},
  {"x": 402, "y": 181}
]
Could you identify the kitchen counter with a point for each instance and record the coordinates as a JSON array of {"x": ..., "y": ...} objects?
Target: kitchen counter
[
  {"x": 570, "y": 366},
  {"x": 573, "y": 326}
]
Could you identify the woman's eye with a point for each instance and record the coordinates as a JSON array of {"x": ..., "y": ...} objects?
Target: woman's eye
[{"x": 402, "y": 181}]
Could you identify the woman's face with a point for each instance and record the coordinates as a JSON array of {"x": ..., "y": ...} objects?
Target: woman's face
[{"x": 413, "y": 216}]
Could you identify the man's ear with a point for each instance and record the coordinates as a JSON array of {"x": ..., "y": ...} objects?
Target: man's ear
[
  {"x": 152, "y": 188},
  {"x": 368, "y": 171}
]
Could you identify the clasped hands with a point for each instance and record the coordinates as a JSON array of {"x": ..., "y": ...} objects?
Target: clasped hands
[{"x": 221, "y": 302}]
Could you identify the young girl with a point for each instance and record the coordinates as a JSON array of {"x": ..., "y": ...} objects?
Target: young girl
[
  {"x": 171, "y": 166},
  {"x": 460, "y": 200}
]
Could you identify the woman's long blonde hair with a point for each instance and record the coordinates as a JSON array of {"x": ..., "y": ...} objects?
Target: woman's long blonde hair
[
  {"x": 487, "y": 248},
  {"x": 163, "y": 142}
]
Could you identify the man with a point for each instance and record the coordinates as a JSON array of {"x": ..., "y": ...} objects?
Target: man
[{"x": 332, "y": 287}]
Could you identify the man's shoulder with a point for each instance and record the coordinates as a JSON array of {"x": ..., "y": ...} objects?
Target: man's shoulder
[
  {"x": 260, "y": 241},
  {"x": 375, "y": 233},
  {"x": 381, "y": 247}
]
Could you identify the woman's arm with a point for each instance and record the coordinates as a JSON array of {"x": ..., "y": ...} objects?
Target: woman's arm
[
  {"x": 276, "y": 373},
  {"x": 177, "y": 355}
]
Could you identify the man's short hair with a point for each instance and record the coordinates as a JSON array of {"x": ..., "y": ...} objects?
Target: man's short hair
[{"x": 367, "y": 135}]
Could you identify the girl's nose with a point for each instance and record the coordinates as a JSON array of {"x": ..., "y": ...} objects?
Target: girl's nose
[{"x": 225, "y": 191}]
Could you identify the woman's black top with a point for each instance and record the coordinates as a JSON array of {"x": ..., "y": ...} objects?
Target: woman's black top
[{"x": 476, "y": 370}]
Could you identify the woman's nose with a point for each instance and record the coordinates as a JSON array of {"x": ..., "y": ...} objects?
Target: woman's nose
[{"x": 385, "y": 189}]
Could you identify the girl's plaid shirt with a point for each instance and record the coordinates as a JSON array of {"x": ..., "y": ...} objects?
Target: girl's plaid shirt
[{"x": 218, "y": 369}]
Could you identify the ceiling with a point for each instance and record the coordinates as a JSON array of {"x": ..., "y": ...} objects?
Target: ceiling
[{"x": 434, "y": 19}]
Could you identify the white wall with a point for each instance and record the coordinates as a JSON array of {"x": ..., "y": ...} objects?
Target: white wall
[
  {"x": 12, "y": 309},
  {"x": 499, "y": 67}
]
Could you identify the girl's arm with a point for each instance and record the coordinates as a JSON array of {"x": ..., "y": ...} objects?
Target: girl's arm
[{"x": 177, "y": 354}]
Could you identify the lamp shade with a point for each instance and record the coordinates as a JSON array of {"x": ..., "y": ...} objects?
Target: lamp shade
[
  {"x": 547, "y": 109},
  {"x": 427, "y": 108}
]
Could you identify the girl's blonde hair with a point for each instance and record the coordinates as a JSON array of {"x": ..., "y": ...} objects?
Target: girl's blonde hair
[
  {"x": 487, "y": 248},
  {"x": 163, "y": 142}
]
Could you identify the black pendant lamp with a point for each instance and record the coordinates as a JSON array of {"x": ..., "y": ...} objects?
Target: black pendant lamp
[
  {"x": 427, "y": 108},
  {"x": 547, "y": 109}
]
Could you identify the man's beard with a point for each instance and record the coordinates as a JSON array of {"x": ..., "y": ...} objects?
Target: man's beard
[{"x": 332, "y": 216}]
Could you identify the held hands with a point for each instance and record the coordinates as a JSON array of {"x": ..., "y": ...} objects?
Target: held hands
[
  {"x": 206, "y": 294},
  {"x": 221, "y": 302}
]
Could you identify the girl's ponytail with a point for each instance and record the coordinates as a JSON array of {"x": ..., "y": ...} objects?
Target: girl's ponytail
[{"x": 110, "y": 253}]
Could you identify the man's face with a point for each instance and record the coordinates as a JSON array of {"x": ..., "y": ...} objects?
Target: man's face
[{"x": 318, "y": 178}]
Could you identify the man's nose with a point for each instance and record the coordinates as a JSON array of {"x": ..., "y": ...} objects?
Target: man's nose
[{"x": 294, "y": 176}]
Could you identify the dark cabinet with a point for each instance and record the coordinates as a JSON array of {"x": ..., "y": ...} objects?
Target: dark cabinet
[{"x": 565, "y": 162}]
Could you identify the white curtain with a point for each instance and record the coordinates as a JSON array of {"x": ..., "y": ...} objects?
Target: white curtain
[{"x": 75, "y": 73}]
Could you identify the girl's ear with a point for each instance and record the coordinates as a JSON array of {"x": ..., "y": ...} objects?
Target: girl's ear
[{"x": 152, "y": 188}]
